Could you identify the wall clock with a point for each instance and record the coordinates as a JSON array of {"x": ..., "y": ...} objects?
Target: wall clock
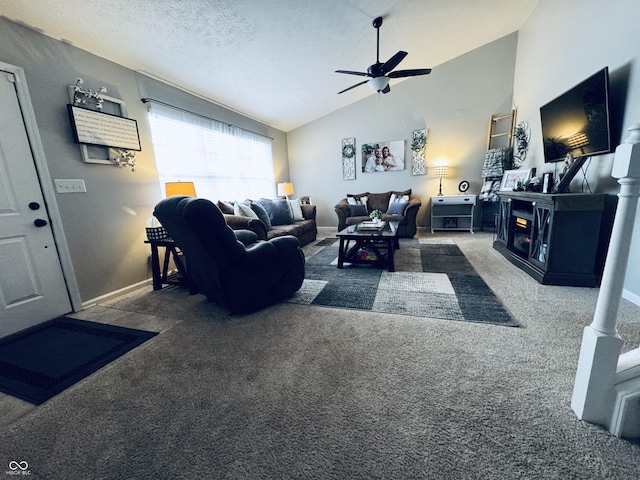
[{"x": 463, "y": 186}]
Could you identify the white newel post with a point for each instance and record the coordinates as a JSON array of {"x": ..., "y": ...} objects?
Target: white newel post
[{"x": 593, "y": 391}]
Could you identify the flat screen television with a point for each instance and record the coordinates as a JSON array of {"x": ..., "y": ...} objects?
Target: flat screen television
[{"x": 577, "y": 122}]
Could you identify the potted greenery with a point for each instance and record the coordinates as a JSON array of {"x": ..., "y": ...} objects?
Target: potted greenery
[{"x": 376, "y": 216}]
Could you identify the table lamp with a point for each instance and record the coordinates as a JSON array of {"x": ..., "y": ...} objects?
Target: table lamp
[
  {"x": 285, "y": 189},
  {"x": 441, "y": 171},
  {"x": 180, "y": 188}
]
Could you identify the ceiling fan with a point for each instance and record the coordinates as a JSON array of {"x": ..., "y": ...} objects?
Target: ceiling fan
[{"x": 381, "y": 73}]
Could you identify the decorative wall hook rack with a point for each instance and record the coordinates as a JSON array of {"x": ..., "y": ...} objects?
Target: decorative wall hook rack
[{"x": 86, "y": 96}]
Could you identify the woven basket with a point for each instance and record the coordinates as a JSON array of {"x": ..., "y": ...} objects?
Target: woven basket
[{"x": 156, "y": 233}]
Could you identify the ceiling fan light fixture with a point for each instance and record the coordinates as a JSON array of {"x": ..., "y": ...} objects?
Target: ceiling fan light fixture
[{"x": 378, "y": 84}]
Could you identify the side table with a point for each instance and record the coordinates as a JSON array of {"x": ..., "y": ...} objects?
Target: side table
[
  {"x": 453, "y": 212},
  {"x": 161, "y": 277}
]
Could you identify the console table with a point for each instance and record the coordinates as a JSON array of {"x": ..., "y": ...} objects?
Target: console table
[
  {"x": 558, "y": 239},
  {"x": 452, "y": 212}
]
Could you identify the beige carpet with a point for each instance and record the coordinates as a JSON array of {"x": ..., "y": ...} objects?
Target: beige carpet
[{"x": 312, "y": 392}]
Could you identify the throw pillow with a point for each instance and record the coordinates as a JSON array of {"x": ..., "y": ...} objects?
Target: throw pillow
[
  {"x": 225, "y": 207},
  {"x": 395, "y": 197},
  {"x": 406, "y": 192},
  {"x": 243, "y": 210},
  {"x": 266, "y": 203},
  {"x": 397, "y": 208},
  {"x": 262, "y": 214},
  {"x": 296, "y": 210},
  {"x": 357, "y": 199},
  {"x": 378, "y": 201},
  {"x": 358, "y": 210},
  {"x": 280, "y": 213}
]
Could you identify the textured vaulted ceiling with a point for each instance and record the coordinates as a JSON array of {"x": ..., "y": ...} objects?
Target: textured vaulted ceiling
[{"x": 271, "y": 59}]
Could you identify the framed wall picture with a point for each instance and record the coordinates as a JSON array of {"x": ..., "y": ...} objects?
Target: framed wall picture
[
  {"x": 511, "y": 179},
  {"x": 98, "y": 128},
  {"x": 384, "y": 156}
]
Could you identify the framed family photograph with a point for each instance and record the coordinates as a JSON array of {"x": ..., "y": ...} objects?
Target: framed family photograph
[
  {"x": 383, "y": 156},
  {"x": 512, "y": 178}
]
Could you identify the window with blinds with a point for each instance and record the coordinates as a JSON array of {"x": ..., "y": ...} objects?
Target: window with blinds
[{"x": 224, "y": 162}]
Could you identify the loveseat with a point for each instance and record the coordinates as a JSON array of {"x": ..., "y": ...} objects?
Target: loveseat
[
  {"x": 271, "y": 218},
  {"x": 396, "y": 207}
]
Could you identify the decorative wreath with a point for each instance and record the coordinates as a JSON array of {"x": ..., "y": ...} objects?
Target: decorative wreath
[
  {"x": 419, "y": 141},
  {"x": 348, "y": 151}
]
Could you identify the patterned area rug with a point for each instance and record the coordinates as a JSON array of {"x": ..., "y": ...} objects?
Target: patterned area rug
[{"x": 432, "y": 279}]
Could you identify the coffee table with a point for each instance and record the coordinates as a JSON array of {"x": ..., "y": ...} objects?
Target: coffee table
[{"x": 383, "y": 243}]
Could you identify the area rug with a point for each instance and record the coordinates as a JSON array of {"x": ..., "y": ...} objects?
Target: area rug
[
  {"x": 432, "y": 279},
  {"x": 44, "y": 361}
]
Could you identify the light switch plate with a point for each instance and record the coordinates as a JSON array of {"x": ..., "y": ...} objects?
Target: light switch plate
[{"x": 69, "y": 185}]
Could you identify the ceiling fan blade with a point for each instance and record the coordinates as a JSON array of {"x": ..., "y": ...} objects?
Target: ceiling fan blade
[
  {"x": 386, "y": 89},
  {"x": 353, "y": 86},
  {"x": 392, "y": 62},
  {"x": 349, "y": 72},
  {"x": 409, "y": 73}
]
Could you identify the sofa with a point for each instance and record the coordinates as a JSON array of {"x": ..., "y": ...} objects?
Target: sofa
[
  {"x": 231, "y": 268},
  {"x": 396, "y": 206},
  {"x": 272, "y": 218}
]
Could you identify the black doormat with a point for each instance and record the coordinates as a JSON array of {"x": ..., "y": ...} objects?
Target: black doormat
[
  {"x": 43, "y": 361},
  {"x": 433, "y": 279}
]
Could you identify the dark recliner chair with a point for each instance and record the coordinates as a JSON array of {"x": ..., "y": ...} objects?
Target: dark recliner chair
[{"x": 225, "y": 266}]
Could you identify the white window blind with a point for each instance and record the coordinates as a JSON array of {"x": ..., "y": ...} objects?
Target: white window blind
[{"x": 223, "y": 161}]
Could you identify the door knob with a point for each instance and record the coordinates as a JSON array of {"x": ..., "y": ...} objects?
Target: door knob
[
  {"x": 39, "y": 222},
  {"x": 34, "y": 206}
]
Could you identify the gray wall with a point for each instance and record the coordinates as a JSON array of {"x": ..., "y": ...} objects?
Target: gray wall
[
  {"x": 555, "y": 53},
  {"x": 454, "y": 103},
  {"x": 105, "y": 226}
]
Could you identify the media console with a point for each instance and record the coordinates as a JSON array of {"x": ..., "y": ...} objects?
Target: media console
[{"x": 558, "y": 239}]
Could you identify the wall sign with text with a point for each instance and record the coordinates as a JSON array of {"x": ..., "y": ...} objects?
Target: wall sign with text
[{"x": 98, "y": 128}]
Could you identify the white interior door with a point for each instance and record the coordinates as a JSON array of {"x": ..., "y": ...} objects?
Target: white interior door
[{"x": 32, "y": 284}]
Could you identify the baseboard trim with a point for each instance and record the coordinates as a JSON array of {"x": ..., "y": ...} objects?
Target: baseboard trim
[
  {"x": 108, "y": 296},
  {"x": 632, "y": 297}
]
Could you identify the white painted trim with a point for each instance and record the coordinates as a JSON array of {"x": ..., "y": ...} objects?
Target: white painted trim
[
  {"x": 108, "y": 296},
  {"x": 45, "y": 182},
  {"x": 626, "y": 413},
  {"x": 632, "y": 297}
]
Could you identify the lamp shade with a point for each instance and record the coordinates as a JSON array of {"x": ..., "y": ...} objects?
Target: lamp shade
[
  {"x": 378, "y": 84},
  {"x": 285, "y": 189},
  {"x": 180, "y": 188},
  {"x": 442, "y": 171}
]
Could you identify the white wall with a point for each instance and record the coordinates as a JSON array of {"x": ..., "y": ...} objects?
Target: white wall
[
  {"x": 561, "y": 44},
  {"x": 454, "y": 103}
]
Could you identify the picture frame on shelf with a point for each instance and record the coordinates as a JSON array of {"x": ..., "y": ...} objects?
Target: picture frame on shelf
[
  {"x": 305, "y": 200},
  {"x": 512, "y": 178}
]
